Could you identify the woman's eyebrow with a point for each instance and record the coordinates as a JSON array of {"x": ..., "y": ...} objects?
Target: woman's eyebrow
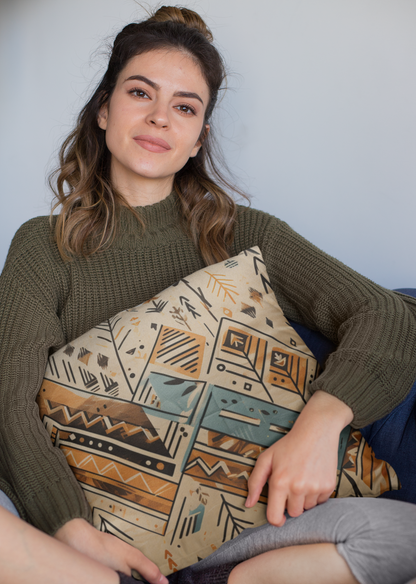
[
  {"x": 145, "y": 79},
  {"x": 155, "y": 86},
  {"x": 189, "y": 94}
]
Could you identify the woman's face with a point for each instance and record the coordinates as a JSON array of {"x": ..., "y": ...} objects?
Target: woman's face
[{"x": 153, "y": 122}]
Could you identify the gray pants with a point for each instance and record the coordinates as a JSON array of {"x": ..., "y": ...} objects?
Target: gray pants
[
  {"x": 376, "y": 537},
  {"x": 7, "y": 504}
]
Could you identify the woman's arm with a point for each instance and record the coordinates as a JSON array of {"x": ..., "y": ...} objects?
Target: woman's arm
[
  {"x": 29, "y": 555},
  {"x": 37, "y": 472},
  {"x": 33, "y": 289},
  {"x": 301, "y": 467},
  {"x": 374, "y": 366},
  {"x": 370, "y": 373}
]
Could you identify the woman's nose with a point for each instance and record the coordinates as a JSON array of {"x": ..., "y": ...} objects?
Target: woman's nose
[{"x": 158, "y": 116}]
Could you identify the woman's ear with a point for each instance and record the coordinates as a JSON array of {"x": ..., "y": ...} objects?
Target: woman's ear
[
  {"x": 103, "y": 116},
  {"x": 201, "y": 138}
]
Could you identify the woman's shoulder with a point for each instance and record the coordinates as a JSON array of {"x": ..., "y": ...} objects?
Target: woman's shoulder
[
  {"x": 35, "y": 227},
  {"x": 248, "y": 215},
  {"x": 33, "y": 248},
  {"x": 255, "y": 225},
  {"x": 37, "y": 231}
]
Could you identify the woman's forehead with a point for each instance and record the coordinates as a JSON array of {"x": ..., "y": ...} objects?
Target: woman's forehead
[{"x": 166, "y": 63}]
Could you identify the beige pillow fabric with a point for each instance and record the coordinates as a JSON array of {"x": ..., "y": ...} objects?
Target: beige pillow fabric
[{"x": 162, "y": 410}]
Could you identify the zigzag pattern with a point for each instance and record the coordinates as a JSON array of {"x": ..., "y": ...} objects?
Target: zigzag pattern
[
  {"x": 111, "y": 467},
  {"x": 209, "y": 471},
  {"x": 80, "y": 415},
  {"x": 127, "y": 430}
]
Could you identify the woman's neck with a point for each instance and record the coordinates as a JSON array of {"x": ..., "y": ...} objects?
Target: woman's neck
[{"x": 141, "y": 191}]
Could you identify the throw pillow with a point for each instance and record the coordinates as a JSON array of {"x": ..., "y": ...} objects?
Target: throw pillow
[{"x": 162, "y": 411}]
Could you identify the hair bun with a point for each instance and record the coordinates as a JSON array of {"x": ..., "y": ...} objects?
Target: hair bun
[{"x": 183, "y": 15}]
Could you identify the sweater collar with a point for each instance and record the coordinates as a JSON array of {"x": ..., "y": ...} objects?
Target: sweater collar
[
  {"x": 164, "y": 212},
  {"x": 161, "y": 212},
  {"x": 158, "y": 218}
]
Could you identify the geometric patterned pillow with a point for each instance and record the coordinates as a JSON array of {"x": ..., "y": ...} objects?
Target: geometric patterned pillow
[{"x": 162, "y": 411}]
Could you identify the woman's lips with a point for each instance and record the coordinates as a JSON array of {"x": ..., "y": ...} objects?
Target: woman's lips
[{"x": 152, "y": 144}]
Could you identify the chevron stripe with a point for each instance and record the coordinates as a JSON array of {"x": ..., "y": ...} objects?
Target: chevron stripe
[
  {"x": 111, "y": 467},
  {"x": 209, "y": 471},
  {"x": 80, "y": 415},
  {"x": 221, "y": 465}
]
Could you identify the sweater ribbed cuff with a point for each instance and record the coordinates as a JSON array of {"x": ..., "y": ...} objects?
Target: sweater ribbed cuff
[
  {"x": 50, "y": 508},
  {"x": 358, "y": 389}
]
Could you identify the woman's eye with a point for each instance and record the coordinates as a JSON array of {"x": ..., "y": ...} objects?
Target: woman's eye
[
  {"x": 186, "y": 109},
  {"x": 138, "y": 93}
]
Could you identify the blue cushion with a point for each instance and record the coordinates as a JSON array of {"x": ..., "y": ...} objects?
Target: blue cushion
[{"x": 320, "y": 346}]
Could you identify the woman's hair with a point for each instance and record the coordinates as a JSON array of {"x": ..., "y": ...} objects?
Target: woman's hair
[{"x": 82, "y": 185}]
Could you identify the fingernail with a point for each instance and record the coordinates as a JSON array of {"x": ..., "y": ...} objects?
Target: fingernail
[
  {"x": 163, "y": 580},
  {"x": 248, "y": 502}
]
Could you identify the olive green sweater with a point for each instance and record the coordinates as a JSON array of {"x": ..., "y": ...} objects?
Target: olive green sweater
[{"x": 46, "y": 303}]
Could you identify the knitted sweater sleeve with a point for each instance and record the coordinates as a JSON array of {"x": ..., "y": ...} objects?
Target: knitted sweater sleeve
[
  {"x": 374, "y": 365},
  {"x": 30, "y": 467}
]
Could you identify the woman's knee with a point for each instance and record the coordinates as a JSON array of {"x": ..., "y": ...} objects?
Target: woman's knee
[{"x": 377, "y": 538}]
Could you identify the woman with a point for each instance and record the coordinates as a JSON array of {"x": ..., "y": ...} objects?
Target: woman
[{"x": 140, "y": 211}]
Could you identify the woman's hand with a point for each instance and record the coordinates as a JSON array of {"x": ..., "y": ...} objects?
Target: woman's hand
[
  {"x": 108, "y": 550},
  {"x": 301, "y": 467}
]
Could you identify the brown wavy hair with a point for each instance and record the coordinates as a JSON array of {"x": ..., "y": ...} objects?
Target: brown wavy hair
[{"x": 87, "y": 222}]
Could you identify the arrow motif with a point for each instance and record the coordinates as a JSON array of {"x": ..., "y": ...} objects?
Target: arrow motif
[
  {"x": 185, "y": 302},
  {"x": 255, "y": 262},
  {"x": 198, "y": 292},
  {"x": 172, "y": 565},
  {"x": 265, "y": 283},
  {"x": 236, "y": 341}
]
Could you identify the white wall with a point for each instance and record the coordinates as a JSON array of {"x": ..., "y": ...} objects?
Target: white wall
[{"x": 319, "y": 123}]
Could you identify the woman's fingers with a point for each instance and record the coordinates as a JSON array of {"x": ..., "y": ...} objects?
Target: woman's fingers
[
  {"x": 324, "y": 497},
  {"x": 146, "y": 568},
  {"x": 311, "y": 501},
  {"x": 129, "y": 558},
  {"x": 108, "y": 550},
  {"x": 295, "y": 505},
  {"x": 258, "y": 478},
  {"x": 276, "y": 505}
]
